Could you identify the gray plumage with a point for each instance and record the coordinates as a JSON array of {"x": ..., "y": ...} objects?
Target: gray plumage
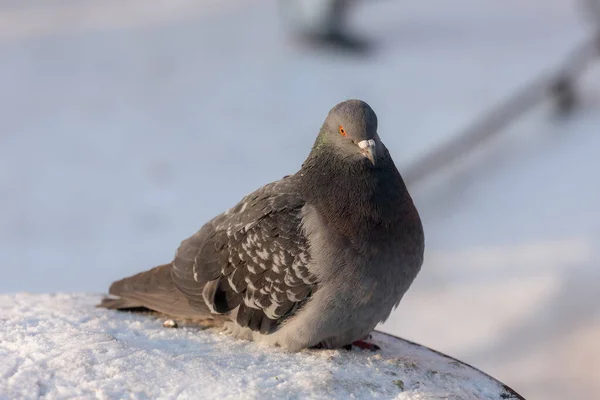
[{"x": 318, "y": 258}]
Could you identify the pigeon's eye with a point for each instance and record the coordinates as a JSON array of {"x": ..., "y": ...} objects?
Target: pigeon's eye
[{"x": 342, "y": 131}]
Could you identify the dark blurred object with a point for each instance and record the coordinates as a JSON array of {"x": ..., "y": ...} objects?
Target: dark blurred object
[
  {"x": 591, "y": 11},
  {"x": 322, "y": 23},
  {"x": 559, "y": 86},
  {"x": 565, "y": 95}
]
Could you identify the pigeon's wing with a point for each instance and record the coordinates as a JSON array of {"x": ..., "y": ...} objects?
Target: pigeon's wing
[{"x": 251, "y": 261}]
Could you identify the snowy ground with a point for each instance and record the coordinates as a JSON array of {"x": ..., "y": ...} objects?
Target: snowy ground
[
  {"x": 125, "y": 127},
  {"x": 59, "y": 346}
]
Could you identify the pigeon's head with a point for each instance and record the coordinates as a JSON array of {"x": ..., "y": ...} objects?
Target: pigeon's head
[{"x": 351, "y": 129}]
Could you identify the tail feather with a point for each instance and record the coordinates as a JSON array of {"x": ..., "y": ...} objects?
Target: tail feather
[
  {"x": 152, "y": 290},
  {"x": 119, "y": 303}
]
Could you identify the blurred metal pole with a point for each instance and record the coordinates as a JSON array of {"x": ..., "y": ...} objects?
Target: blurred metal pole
[{"x": 558, "y": 84}]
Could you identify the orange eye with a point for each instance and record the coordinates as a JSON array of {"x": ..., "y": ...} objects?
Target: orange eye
[{"x": 342, "y": 131}]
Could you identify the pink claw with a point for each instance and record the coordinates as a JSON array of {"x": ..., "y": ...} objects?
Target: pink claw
[{"x": 361, "y": 344}]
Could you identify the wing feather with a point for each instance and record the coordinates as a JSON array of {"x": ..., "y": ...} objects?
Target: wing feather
[{"x": 250, "y": 262}]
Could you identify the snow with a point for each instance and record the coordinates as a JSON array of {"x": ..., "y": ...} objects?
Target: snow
[
  {"x": 126, "y": 125},
  {"x": 60, "y": 346}
]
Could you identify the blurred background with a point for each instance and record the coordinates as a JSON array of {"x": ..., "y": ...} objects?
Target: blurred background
[{"x": 126, "y": 124}]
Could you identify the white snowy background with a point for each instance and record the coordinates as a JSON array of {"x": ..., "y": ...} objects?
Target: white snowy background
[{"x": 124, "y": 125}]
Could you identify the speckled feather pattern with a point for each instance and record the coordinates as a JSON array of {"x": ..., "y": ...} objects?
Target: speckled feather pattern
[
  {"x": 252, "y": 259},
  {"x": 317, "y": 258}
]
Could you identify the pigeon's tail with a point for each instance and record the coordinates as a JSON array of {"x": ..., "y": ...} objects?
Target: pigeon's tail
[{"x": 152, "y": 290}]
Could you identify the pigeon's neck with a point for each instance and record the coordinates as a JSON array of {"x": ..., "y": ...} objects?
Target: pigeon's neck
[{"x": 351, "y": 196}]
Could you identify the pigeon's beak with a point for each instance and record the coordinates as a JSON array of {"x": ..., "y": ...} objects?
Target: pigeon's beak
[{"x": 369, "y": 150}]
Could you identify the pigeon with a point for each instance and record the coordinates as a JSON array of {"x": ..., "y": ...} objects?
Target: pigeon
[
  {"x": 314, "y": 260},
  {"x": 322, "y": 23}
]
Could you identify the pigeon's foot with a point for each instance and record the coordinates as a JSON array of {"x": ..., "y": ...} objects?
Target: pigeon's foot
[
  {"x": 342, "y": 41},
  {"x": 361, "y": 344},
  {"x": 348, "y": 42}
]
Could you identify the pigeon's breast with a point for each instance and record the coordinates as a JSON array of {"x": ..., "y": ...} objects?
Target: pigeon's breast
[{"x": 358, "y": 285}]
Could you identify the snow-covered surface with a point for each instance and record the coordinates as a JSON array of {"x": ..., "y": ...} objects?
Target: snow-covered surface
[
  {"x": 127, "y": 124},
  {"x": 60, "y": 346}
]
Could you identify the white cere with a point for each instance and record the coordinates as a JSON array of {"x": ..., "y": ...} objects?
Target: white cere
[{"x": 366, "y": 143}]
